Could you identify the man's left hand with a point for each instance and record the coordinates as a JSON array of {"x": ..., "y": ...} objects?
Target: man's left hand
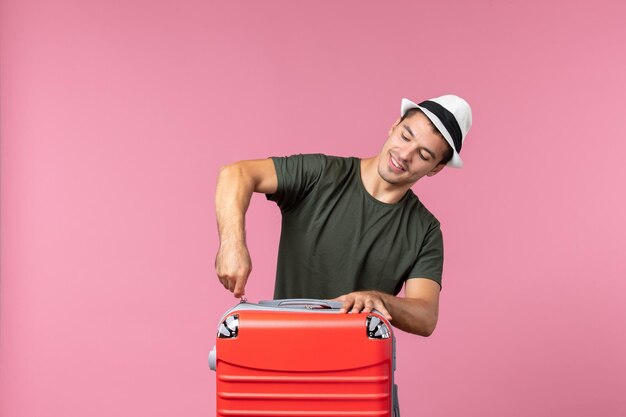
[{"x": 364, "y": 302}]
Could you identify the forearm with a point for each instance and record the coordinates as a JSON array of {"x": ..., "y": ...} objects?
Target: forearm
[
  {"x": 232, "y": 198},
  {"x": 413, "y": 314},
  {"x": 235, "y": 185}
]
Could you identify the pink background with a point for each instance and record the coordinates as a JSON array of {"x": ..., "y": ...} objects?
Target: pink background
[{"x": 116, "y": 116}]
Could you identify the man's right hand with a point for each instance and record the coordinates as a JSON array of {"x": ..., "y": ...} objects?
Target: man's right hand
[
  {"x": 235, "y": 185},
  {"x": 233, "y": 266}
]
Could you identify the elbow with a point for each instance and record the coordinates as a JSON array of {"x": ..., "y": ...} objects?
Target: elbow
[
  {"x": 423, "y": 328},
  {"x": 229, "y": 169},
  {"x": 230, "y": 172},
  {"x": 421, "y": 319},
  {"x": 427, "y": 330},
  {"x": 427, "y": 327}
]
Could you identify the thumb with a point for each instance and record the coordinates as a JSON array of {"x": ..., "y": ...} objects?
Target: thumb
[{"x": 239, "y": 290}]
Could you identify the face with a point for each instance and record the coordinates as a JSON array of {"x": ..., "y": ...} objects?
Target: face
[{"x": 411, "y": 151}]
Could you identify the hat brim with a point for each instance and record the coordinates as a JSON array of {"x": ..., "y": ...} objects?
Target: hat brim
[{"x": 456, "y": 161}]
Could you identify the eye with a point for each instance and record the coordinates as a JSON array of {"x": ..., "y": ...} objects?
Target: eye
[
  {"x": 424, "y": 156},
  {"x": 404, "y": 138}
]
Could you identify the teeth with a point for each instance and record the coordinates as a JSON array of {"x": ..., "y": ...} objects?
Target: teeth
[{"x": 395, "y": 163}]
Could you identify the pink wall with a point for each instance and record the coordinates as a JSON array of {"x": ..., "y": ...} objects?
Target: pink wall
[{"x": 115, "y": 117}]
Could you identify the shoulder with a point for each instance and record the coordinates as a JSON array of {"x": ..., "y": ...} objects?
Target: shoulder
[
  {"x": 330, "y": 165},
  {"x": 317, "y": 165},
  {"x": 340, "y": 162},
  {"x": 421, "y": 214},
  {"x": 296, "y": 164}
]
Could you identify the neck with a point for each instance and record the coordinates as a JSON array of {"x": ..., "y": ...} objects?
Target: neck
[{"x": 377, "y": 187}]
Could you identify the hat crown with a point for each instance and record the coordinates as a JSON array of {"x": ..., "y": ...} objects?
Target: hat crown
[{"x": 459, "y": 108}]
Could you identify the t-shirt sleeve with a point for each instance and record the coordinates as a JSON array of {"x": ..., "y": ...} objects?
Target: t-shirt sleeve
[
  {"x": 297, "y": 175},
  {"x": 429, "y": 262}
]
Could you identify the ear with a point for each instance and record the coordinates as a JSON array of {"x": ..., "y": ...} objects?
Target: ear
[
  {"x": 435, "y": 170},
  {"x": 393, "y": 126}
]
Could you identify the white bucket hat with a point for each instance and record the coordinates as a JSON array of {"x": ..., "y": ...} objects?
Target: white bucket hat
[{"x": 451, "y": 115}]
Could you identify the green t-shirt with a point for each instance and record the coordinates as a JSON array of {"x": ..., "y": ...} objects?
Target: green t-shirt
[{"x": 336, "y": 238}]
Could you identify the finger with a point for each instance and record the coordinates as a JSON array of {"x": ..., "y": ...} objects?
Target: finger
[
  {"x": 341, "y": 298},
  {"x": 223, "y": 281},
  {"x": 358, "y": 305},
  {"x": 383, "y": 310},
  {"x": 369, "y": 306},
  {"x": 347, "y": 305},
  {"x": 239, "y": 289}
]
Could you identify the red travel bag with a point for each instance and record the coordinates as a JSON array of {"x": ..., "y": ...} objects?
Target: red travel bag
[{"x": 300, "y": 357}]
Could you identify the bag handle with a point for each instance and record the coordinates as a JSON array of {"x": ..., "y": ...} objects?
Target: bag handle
[{"x": 307, "y": 303}]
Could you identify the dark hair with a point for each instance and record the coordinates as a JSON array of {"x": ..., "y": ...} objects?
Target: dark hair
[{"x": 447, "y": 156}]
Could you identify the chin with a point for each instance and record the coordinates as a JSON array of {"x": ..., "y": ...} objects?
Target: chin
[{"x": 387, "y": 177}]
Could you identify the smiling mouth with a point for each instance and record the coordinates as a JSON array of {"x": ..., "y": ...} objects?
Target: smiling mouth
[{"x": 396, "y": 166}]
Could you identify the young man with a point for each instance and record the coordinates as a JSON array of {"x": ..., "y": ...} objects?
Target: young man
[{"x": 352, "y": 229}]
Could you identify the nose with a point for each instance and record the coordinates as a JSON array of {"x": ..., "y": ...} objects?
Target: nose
[{"x": 406, "y": 151}]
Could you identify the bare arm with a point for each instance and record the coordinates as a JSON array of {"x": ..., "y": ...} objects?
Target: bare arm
[
  {"x": 235, "y": 185},
  {"x": 415, "y": 313}
]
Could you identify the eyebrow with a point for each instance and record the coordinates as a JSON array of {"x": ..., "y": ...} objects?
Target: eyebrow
[{"x": 426, "y": 149}]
